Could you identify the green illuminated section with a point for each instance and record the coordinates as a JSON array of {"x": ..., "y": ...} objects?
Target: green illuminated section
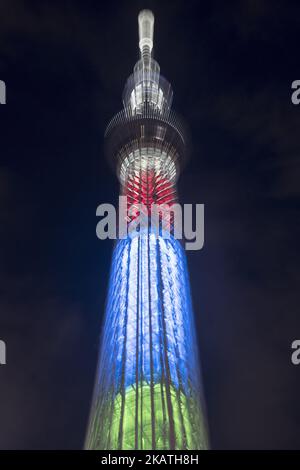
[{"x": 148, "y": 419}]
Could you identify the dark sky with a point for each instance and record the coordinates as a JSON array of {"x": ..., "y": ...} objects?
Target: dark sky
[{"x": 231, "y": 65}]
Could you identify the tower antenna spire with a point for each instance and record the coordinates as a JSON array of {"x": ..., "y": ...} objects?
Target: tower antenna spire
[{"x": 146, "y": 29}]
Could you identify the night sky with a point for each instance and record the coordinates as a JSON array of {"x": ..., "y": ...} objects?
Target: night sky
[{"x": 231, "y": 65}]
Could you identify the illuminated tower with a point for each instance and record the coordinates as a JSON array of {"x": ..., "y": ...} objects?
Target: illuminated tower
[{"x": 147, "y": 392}]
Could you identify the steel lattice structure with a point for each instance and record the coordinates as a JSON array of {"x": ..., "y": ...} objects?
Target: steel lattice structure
[{"x": 148, "y": 391}]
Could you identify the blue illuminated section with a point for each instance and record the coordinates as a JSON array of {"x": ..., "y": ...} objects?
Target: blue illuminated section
[
  {"x": 149, "y": 309},
  {"x": 147, "y": 393}
]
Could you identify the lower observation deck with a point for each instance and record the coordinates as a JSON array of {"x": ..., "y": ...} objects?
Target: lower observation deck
[{"x": 129, "y": 133}]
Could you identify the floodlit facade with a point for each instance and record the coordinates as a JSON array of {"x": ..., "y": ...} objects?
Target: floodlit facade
[{"x": 148, "y": 392}]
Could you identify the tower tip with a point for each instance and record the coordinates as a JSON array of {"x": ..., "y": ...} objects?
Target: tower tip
[{"x": 146, "y": 28}]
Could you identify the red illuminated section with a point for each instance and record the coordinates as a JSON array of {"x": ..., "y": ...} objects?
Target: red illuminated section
[{"x": 146, "y": 187}]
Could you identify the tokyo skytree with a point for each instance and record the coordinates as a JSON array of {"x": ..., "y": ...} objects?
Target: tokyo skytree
[{"x": 147, "y": 391}]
